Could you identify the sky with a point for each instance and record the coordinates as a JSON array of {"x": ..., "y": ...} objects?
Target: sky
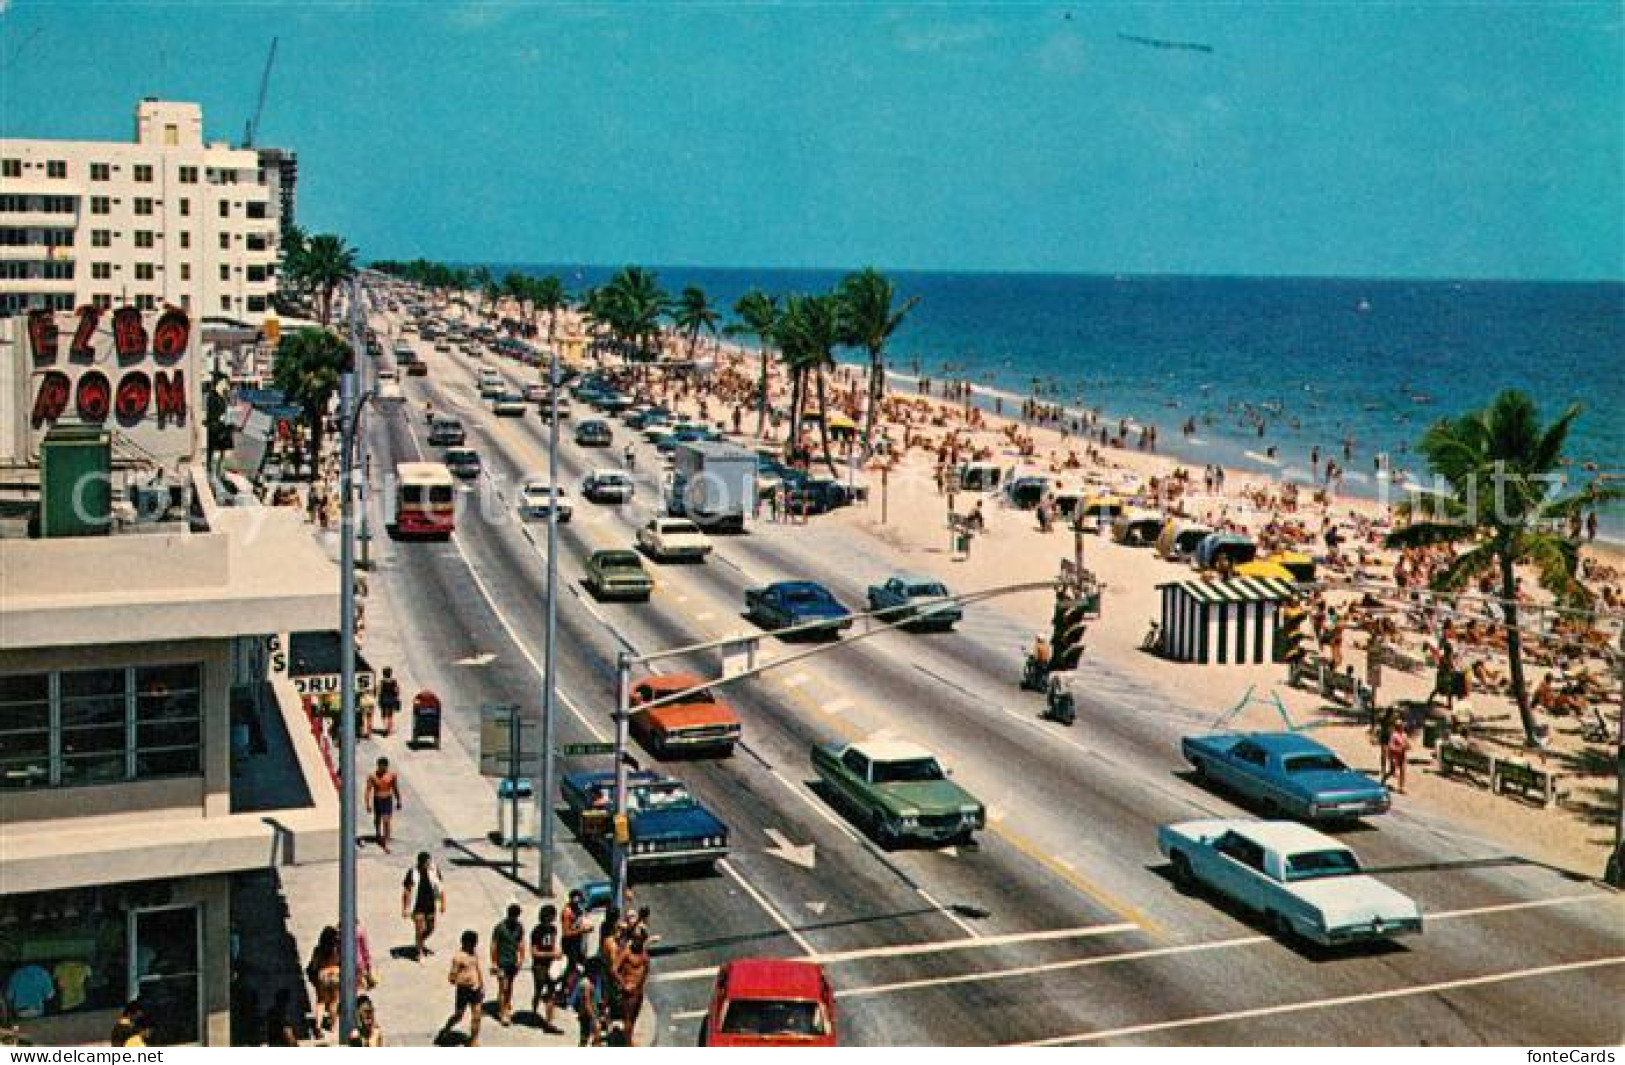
[{"x": 1372, "y": 139}]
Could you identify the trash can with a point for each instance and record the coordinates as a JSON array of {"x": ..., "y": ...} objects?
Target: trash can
[
  {"x": 526, "y": 828},
  {"x": 426, "y": 719},
  {"x": 1431, "y": 728}
]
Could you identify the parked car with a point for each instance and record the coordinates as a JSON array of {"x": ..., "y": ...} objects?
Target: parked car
[
  {"x": 612, "y": 402},
  {"x": 608, "y": 486},
  {"x": 1302, "y": 882},
  {"x": 665, "y": 539},
  {"x": 535, "y": 392},
  {"x": 770, "y": 1002},
  {"x": 909, "y": 601},
  {"x": 445, "y": 431},
  {"x": 1285, "y": 772},
  {"x": 509, "y": 405},
  {"x": 666, "y": 824},
  {"x": 463, "y": 462},
  {"x": 898, "y": 791},
  {"x": 698, "y": 722},
  {"x": 417, "y": 368},
  {"x": 814, "y": 495},
  {"x": 790, "y": 603},
  {"x": 537, "y": 496},
  {"x": 618, "y": 574},
  {"x": 594, "y": 433},
  {"x": 544, "y": 407},
  {"x": 641, "y": 419},
  {"x": 491, "y": 385}
]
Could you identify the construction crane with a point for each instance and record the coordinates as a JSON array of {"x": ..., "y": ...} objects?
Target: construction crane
[{"x": 259, "y": 106}]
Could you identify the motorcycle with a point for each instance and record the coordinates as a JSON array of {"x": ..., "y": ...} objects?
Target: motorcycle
[
  {"x": 1033, "y": 675},
  {"x": 1060, "y": 704}
]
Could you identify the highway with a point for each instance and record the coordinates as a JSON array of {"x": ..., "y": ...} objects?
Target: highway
[{"x": 1062, "y": 925}]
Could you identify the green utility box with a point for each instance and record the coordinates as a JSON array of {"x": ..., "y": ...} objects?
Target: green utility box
[{"x": 76, "y": 482}]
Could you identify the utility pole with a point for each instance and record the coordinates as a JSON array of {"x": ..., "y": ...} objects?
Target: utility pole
[
  {"x": 364, "y": 460},
  {"x": 544, "y": 793},
  {"x": 347, "y": 842},
  {"x": 619, "y": 825}
]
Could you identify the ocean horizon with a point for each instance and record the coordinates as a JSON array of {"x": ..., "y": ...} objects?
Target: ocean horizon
[{"x": 1317, "y": 360}]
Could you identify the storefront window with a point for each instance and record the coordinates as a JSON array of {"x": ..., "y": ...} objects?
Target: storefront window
[
  {"x": 167, "y": 968},
  {"x": 25, "y": 731},
  {"x": 91, "y": 709},
  {"x": 64, "y": 954}
]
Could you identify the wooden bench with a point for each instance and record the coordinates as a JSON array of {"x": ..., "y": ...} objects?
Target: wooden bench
[
  {"x": 1343, "y": 687},
  {"x": 1304, "y": 673},
  {"x": 1530, "y": 782},
  {"x": 1457, "y": 758}
]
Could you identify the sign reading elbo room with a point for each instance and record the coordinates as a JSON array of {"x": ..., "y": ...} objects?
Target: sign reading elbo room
[{"x": 121, "y": 370}]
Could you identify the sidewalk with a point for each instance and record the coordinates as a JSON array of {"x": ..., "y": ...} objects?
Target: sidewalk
[{"x": 448, "y": 810}]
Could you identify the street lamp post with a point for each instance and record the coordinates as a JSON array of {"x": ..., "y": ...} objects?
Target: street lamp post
[
  {"x": 348, "y": 414},
  {"x": 619, "y": 826}
]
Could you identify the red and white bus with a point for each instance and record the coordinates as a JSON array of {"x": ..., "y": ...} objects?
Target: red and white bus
[{"x": 425, "y": 499}]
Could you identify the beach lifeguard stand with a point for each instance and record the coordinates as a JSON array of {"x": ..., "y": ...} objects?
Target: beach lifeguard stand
[{"x": 1223, "y": 623}]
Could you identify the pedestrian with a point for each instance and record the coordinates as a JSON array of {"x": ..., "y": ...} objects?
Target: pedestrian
[
  {"x": 279, "y": 1025},
  {"x": 365, "y": 703},
  {"x": 631, "y": 976},
  {"x": 544, "y": 951},
  {"x": 323, "y": 973},
  {"x": 389, "y": 701},
  {"x": 383, "y": 798},
  {"x": 573, "y": 936},
  {"x": 422, "y": 896},
  {"x": 367, "y": 1032},
  {"x": 1399, "y": 747},
  {"x": 132, "y": 1024},
  {"x": 468, "y": 982},
  {"x": 507, "y": 955},
  {"x": 585, "y": 1000}
]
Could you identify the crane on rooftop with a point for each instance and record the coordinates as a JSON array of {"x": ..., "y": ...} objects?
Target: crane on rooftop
[{"x": 259, "y": 106}]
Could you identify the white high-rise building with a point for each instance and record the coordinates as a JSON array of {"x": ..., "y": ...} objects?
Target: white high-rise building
[{"x": 163, "y": 219}]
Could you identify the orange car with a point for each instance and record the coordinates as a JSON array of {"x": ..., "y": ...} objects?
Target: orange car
[{"x": 699, "y": 721}]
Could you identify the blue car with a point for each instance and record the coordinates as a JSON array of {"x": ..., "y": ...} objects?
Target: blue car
[
  {"x": 791, "y": 603},
  {"x": 1285, "y": 773},
  {"x": 667, "y": 825}
]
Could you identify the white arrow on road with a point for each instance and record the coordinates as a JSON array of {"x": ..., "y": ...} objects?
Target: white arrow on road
[
  {"x": 801, "y": 855},
  {"x": 818, "y": 907},
  {"x": 482, "y": 659}
]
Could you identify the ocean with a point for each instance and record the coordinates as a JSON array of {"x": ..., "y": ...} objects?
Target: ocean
[{"x": 1317, "y": 360}]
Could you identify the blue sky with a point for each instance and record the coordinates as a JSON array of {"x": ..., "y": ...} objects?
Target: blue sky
[{"x": 1402, "y": 139}]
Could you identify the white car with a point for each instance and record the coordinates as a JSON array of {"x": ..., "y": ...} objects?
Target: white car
[
  {"x": 537, "y": 497},
  {"x": 544, "y": 407},
  {"x": 1304, "y": 883},
  {"x": 673, "y": 538}
]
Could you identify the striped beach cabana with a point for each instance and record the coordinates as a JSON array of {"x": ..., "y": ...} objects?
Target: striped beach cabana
[{"x": 1222, "y": 623}]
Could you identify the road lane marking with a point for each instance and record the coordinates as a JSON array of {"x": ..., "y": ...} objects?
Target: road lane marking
[
  {"x": 1326, "y": 1003},
  {"x": 1527, "y": 904},
  {"x": 704, "y": 615},
  {"x": 795, "y": 680},
  {"x": 941, "y": 946},
  {"x": 958, "y": 921},
  {"x": 771, "y": 910},
  {"x": 1126, "y": 910},
  {"x": 837, "y": 706}
]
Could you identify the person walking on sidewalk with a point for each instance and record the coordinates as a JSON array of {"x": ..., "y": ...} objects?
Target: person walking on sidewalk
[
  {"x": 367, "y": 1032},
  {"x": 1399, "y": 749},
  {"x": 573, "y": 936},
  {"x": 389, "y": 701},
  {"x": 544, "y": 951},
  {"x": 468, "y": 982},
  {"x": 323, "y": 973},
  {"x": 422, "y": 894},
  {"x": 507, "y": 955},
  {"x": 631, "y": 976},
  {"x": 383, "y": 796},
  {"x": 586, "y": 1000}
]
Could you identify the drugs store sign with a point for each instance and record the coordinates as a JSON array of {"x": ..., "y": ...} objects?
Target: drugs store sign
[{"x": 123, "y": 370}]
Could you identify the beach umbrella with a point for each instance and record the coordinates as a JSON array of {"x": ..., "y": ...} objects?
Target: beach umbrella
[
  {"x": 1264, "y": 568},
  {"x": 1300, "y": 565}
]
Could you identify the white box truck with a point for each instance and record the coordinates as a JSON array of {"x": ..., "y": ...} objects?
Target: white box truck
[{"x": 713, "y": 484}]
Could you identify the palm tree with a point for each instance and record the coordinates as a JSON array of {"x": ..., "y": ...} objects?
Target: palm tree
[
  {"x": 758, "y": 316},
  {"x": 868, "y": 321},
  {"x": 549, "y": 298},
  {"x": 807, "y": 334},
  {"x": 483, "y": 285},
  {"x": 1500, "y": 467},
  {"x": 693, "y": 314},
  {"x": 631, "y": 305},
  {"x": 306, "y": 368},
  {"x": 326, "y": 263}
]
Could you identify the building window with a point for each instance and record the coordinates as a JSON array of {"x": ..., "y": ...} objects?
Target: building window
[
  {"x": 172, "y": 135},
  {"x": 143, "y": 238},
  {"x": 103, "y": 300},
  {"x": 225, "y": 208},
  {"x": 56, "y": 168},
  {"x": 143, "y": 205},
  {"x": 58, "y": 271},
  {"x": 186, "y": 239},
  {"x": 101, "y": 205},
  {"x": 12, "y": 168},
  {"x": 101, "y": 238},
  {"x": 12, "y": 271},
  {"x": 57, "y": 204},
  {"x": 256, "y": 208},
  {"x": 13, "y": 204},
  {"x": 225, "y": 303},
  {"x": 257, "y": 242},
  {"x": 101, "y": 271},
  {"x": 225, "y": 272},
  {"x": 186, "y": 270},
  {"x": 143, "y": 271},
  {"x": 146, "y": 303},
  {"x": 188, "y": 175},
  {"x": 143, "y": 173},
  {"x": 256, "y": 304},
  {"x": 101, "y": 172},
  {"x": 225, "y": 242},
  {"x": 256, "y": 274},
  {"x": 186, "y": 207},
  {"x": 170, "y": 986},
  {"x": 186, "y": 303},
  {"x": 73, "y": 941}
]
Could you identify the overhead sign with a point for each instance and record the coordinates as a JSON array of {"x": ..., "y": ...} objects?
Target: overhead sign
[
  {"x": 738, "y": 655},
  {"x": 124, "y": 370},
  {"x": 508, "y": 746},
  {"x": 582, "y": 750}
]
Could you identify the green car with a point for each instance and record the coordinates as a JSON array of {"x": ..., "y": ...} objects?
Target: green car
[
  {"x": 618, "y": 575},
  {"x": 898, "y": 791}
]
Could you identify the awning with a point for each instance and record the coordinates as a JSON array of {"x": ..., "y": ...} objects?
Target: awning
[
  {"x": 1264, "y": 568},
  {"x": 1236, "y": 589}
]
